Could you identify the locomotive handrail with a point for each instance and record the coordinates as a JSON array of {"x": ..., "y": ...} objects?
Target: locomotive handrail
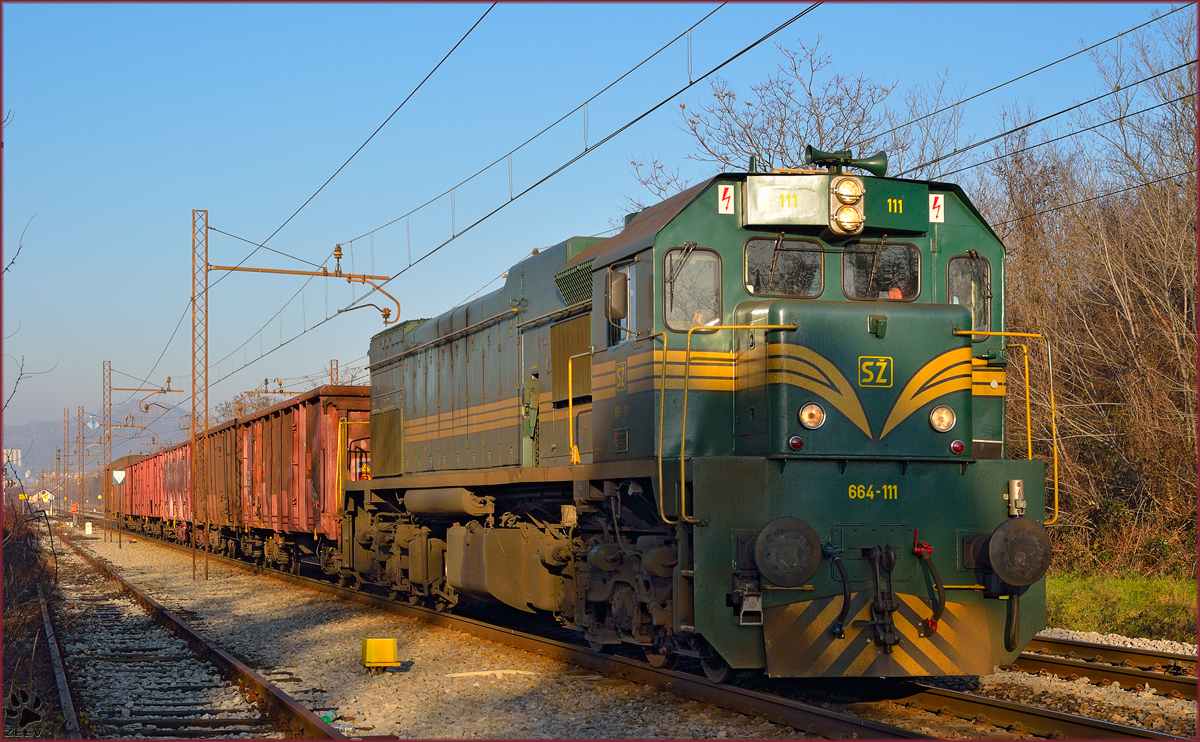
[
  {"x": 687, "y": 362},
  {"x": 570, "y": 309},
  {"x": 1053, "y": 419},
  {"x": 444, "y": 339},
  {"x": 1028, "y": 414},
  {"x": 571, "y": 404},
  {"x": 662, "y": 406},
  {"x": 343, "y": 424}
]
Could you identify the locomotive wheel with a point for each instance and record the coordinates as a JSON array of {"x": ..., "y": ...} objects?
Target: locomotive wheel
[
  {"x": 598, "y": 646},
  {"x": 343, "y": 579},
  {"x": 716, "y": 669},
  {"x": 413, "y": 599},
  {"x": 661, "y": 660}
]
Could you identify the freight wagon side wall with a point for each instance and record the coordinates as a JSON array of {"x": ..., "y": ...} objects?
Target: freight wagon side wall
[
  {"x": 118, "y": 500},
  {"x": 289, "y": 460},
  {"x": 223, "y": 507}
]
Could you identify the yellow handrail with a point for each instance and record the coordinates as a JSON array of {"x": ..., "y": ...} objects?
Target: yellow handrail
[
  {"x": 342, "y": 435},
  {"x": 571, "y": 406},
  {"x": 687, "y": 362},
  {"x": 662, "y": 406},
  {"x": 1028, "y": 414},
  {"x": 1053, "y": 418}
]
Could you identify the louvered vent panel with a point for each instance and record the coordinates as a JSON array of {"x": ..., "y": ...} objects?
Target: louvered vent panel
[
  {"x": 567, "y": 339},
  {"x": 575, "y": 283}
]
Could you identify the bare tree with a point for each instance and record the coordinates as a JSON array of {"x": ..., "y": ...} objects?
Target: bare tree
[
  {"x": 808, "y": 102},
  {"x": 1101, "y": 237}
]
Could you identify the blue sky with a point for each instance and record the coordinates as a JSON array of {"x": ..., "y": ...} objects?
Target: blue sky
[{"x": 126, "y": 117}]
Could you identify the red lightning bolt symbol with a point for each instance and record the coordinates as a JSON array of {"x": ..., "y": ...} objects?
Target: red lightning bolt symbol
[{"x": 726, "y": 195}]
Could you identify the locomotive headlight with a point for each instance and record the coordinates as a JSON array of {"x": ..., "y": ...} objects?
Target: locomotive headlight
[
  {"x": 812, "y": 416},
  {"x": 848, "y": 191},
  {"x": 941, "y": 418},
  {"x": 849, "y": 219}
]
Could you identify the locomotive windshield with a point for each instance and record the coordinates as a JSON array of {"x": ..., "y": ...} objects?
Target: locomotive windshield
[
  {"x": 788, "y": 268},
  {"x": 881, "y": 271}
]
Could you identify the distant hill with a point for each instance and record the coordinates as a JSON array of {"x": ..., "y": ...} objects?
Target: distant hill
[{"x": 37, "y": 440}]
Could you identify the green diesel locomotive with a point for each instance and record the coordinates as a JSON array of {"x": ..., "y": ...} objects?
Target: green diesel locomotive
[{"x": 762, "y": 426}]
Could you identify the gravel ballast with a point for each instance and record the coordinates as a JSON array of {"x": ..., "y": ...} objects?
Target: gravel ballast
[
  {"x": 1157, "y": 645},
  {"x": 459, "y": 685}
]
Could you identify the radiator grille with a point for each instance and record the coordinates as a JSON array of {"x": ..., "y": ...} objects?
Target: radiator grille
[{"x": 575, "y": 283}]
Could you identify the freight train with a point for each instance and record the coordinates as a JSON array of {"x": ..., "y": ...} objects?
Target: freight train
[{"x": 763, "y": 426}]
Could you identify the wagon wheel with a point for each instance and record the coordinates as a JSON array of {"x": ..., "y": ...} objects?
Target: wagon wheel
[
  {"x": 413, "y": 599},
  {"x": 660, "y": 660},
  {"x": 716, "y": 669},
  {"x": 343, "y": 579},
  {"x": 295, "y": 566},
  {"x": 596, "y": 645}
]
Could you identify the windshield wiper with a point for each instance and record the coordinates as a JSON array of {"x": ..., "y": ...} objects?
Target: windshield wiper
[
  {"x": 774, "y": 257},
  {"x": 676, "y": 269}
]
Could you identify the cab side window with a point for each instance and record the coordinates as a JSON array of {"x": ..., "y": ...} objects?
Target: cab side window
[
  {"x": 968, "y": 283},
  {"x": 881, "y": 271},
  {"x": 691, "y": 288}
]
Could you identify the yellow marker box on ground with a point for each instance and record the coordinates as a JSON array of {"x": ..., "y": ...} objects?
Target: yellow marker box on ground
[{"x": 379, "y": 653}]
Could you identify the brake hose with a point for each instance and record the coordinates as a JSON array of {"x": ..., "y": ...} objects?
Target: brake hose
[
  {"x": 839, "y": 625},
  {"x": 1014, "y": 614},
  {"x": 925, "y": 553}
]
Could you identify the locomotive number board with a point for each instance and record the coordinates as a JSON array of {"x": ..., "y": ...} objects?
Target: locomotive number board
[
  {"x": 786, "y": 199},
  {"x": 897, "y": 205}
]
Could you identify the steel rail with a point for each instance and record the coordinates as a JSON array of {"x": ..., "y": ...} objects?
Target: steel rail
[
  {"x": 1039, "y": 721},
  {"x": 1166, "y": 673},
  {"x": 1114, "y": 654},
  {"x": 298, "y": 718},
  {"x": 809, "y": 719},
  {"x": 60, "y": 675}
]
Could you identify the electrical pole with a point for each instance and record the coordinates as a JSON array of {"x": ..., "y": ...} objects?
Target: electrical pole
[
  {"x": 66, "y": 456},
  {"x": 107, "y": 433},
  {"x": 79, "y": 451},
  {"x": 199, "y": 374},
  {"x": 106, "y": 485},
  {"x": 200, "y": 269}
]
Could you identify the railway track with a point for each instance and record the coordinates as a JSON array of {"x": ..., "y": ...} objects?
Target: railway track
[
  {"x": 1171, "y": 675},
  {"x": 137, "y": 670},
  {"x": 929, "y": 707}
]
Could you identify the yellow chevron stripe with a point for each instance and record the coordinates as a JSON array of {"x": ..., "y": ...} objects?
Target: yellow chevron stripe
[
  {"x": 946, "y": 373},
  {"x": 809, "y": 370}
]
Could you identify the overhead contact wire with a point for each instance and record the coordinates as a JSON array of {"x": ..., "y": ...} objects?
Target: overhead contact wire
[
  {"x": 1068, "y": 135},
  {"x": 378, "y": 129},
  {"x": 606, "y": 139},
  {"x": 558, "y": 121},
  {"x": 1044, "y": 119},
  {"x": 1027, "y": 74},
  {"x": 572, "y": 161},
  {"x": 1096, "y": 198}
]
